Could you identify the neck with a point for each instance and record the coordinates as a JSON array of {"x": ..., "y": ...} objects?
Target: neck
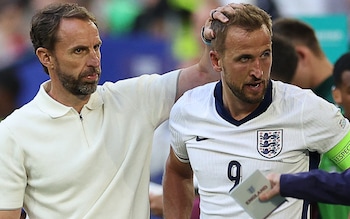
[
  {"x": 323, "y": 69},
  {"x": 64, "y": 97},
  {"x": 237, "y": 108}
]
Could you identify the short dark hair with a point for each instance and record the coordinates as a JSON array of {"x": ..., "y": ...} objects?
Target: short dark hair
[
  {"x": 284, "y": 59},
  {"x": 299, "y": 33},
  {"x": 45, "y": 23},
  {"x": 342, "y": 64}
]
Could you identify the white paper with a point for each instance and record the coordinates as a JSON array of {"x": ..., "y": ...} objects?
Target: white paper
[{"x": 247, "y": 195}]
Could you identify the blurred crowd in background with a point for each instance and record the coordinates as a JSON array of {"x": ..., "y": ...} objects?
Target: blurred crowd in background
[{"x": 175, "y": 23}]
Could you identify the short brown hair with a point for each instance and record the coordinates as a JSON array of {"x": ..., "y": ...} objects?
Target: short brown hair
[{"x": 249, "y": 17}]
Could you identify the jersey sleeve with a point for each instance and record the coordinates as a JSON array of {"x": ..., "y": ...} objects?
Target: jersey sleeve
[
  {"x": 323, "y": 124},
  {"x": 177, "y": 127},
  {"x": 317, "y": 186}
]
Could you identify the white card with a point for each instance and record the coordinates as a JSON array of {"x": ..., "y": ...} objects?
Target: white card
[{"x": 246, "y": 194}]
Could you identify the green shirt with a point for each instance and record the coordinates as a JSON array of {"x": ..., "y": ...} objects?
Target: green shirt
[{"x": 328, "y": 211}]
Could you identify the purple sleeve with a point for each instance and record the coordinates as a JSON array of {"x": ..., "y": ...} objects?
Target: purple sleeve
[{"x": 317, "y": 186}]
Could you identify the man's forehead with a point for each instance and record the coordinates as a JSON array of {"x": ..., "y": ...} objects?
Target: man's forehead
[
  {"x": 248, "y": 41},
  {"x": 69, "y": 24},
  {"x": 243, "y": 34},
  {"x": 76, "y": 29}
]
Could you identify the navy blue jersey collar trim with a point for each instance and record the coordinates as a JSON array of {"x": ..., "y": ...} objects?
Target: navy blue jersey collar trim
[{"x": 219, "y": 105}]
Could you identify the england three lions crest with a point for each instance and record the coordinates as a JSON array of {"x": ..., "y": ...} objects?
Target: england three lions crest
[{"x": 270, "y": 142}]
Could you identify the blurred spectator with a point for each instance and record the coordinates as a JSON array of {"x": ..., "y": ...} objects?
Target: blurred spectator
[
  {"x": 120, "y": 15},
  {"x": 154, "y": 19},
  {"x": 13, "y": 41},
  {"x": 311, "y": 7},
  {"x": 9, "y": 90},
  {"x": 187, "y": 43}
]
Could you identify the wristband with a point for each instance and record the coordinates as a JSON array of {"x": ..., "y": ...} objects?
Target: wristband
[
  {"x": 205, "y": 41},
  {"x": 340, "y": 154}
]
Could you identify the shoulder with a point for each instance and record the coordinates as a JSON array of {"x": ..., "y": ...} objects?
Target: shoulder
[
  {"x": 288, "y": 92},
  {"x": 285, "y": 88},
  {"x": 27, "y": 114},
  {"x": 198, "y": 95},
  {"x": 296, "y": 98},
  {"x": 194, "y": 103}
]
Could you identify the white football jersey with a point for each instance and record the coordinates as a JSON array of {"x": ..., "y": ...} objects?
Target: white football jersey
[{"x": 276, "y": 137}]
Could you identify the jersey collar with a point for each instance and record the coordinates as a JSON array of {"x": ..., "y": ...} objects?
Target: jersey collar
[{"x": 219, "y": 105}]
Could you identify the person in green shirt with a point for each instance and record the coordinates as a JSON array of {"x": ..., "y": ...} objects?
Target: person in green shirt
[{"x": 314, "y": 71}]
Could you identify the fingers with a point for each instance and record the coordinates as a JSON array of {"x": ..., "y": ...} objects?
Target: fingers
[
  {"x": 267, "y": 195},
  {"x": 207, "y": 33},
  {"x": 217, "y": 14},
  {"x": 212, "y": 13},
  {"x": 274, "y": 179}
]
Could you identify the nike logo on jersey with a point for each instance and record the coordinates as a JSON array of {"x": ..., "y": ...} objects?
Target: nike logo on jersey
[{"x": 200, "y": 138}]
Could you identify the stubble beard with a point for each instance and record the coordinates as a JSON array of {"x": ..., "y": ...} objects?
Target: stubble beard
[
  {"x": 77, "y": 86},
  {"x": 240, "y": 94}
]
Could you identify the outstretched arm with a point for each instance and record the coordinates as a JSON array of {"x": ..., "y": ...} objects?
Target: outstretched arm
[
  {"x": 178, "y": 190},
  {"x": 316, "y": 185}
]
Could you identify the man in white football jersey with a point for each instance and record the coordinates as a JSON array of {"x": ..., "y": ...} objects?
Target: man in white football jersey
[
  {"x": 79, "y": 149},
  {"x": 224, "y": 131}
]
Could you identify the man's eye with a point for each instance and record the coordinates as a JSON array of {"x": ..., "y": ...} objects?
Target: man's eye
[
  {"x": 78, "y": 51},
  {"x": 244, "y": 59},
  {"x": 266, "y": 54},
  {"x": 97, "y": 47}
]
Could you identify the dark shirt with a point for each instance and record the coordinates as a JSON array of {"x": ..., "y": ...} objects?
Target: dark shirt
[{"x": 317, "y": 186}]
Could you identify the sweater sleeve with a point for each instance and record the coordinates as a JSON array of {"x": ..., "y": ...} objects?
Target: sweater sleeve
[{"x": 317, "y": 186}]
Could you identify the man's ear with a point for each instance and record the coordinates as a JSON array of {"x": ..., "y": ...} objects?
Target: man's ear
[
  {"x": 215, "y": 60},
  {"x": 302, "y": 51},
  {"x": 337, "y": 96},
  {"x": 44, "y": 57}
]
